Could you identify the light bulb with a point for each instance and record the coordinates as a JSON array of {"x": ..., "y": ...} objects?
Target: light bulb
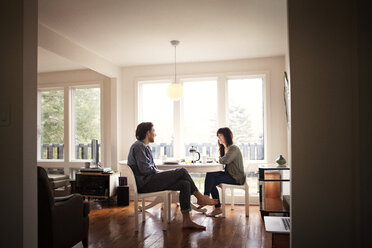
[{"x": 175, "y": 91}]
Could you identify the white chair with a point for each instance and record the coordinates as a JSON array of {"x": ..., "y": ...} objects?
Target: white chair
[
  {"x": 244, "y": 187},
  {"x": 162, "y": 196}
]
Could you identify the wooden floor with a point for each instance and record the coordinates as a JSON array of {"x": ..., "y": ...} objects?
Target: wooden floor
[{"x": 114, "y": 227}]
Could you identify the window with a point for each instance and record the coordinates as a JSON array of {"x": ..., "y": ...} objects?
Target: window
[
  {"x": 200, "y": 116},
  {"x": 69, "y": 118},
  {"x": 246, "y": 116},
  {"x": 200, "y": 121},
  {"x": 86, "y": 121},
  {"x": 194, "y": 120},
  {"x": 51, "y": 124},
  {"x": 246, "y": 120},
  {"x": 156, "y": 107}
]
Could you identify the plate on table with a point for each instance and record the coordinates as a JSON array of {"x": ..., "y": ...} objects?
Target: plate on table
[{"x": 171, "y": 162}]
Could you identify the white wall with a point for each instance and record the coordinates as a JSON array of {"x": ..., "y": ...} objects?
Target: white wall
[
  {"x": 109, "y": 133},
  {"x": 18, "y": 179},
  {"x": 274, "y": 66}
]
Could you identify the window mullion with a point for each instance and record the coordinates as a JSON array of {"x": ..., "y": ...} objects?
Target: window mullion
[
  {"x": 39, "y": 151},
  {"x": 66, "y": 126},
  {"x": 139, "y": 104},
  {"x": 222, "y": 103},
  {"x": 102, "y": 125},
  {"x": 177, "y": 124}
]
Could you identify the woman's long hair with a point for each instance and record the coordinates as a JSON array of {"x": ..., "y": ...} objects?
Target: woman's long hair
[{"x": 228, "y": 135}]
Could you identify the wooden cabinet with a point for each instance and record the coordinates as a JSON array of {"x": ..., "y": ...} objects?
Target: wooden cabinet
[
  {"x": 271, "y": 181},
  {"x": 272, "y": 188},
  {"x": 97, "y": 185}
]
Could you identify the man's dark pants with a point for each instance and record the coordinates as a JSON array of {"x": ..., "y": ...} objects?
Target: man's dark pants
[{"x": 178, "y": 179}]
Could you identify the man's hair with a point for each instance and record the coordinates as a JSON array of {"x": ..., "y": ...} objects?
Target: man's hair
[{"x": 142, "y": 129}]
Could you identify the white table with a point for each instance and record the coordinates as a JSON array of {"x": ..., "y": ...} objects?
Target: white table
[{"x": 191, "y": 168}]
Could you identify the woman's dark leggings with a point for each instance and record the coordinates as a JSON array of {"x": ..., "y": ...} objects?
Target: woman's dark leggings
[{"x": 213, "y": 179}]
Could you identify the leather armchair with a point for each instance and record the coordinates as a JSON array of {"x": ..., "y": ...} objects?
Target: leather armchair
[
  {"x": 60, "y": 184},
  {"x": 62, "y": 221}
]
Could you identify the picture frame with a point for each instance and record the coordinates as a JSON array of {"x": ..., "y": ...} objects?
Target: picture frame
[{"x": 286, "y": 98}]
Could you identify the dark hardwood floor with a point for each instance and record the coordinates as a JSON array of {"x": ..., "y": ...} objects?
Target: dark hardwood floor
[{"x": 114, "y": 227}]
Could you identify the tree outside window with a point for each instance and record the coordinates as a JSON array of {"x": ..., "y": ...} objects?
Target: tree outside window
[
  {"x": 87, "y": 120},
  {"x": 52, "y": 124}
]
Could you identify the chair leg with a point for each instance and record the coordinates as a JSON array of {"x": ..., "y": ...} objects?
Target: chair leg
[
  {"x": 136, "y": 214},
  {"x": 223, "y": 201},
  {"x": 169, "y": 213},
  {"x": 143, "y": 210},
  {"x": 232, "y": 198},
  {"x": 165, "y": 212},
  {"x": 246, "y": 201}
]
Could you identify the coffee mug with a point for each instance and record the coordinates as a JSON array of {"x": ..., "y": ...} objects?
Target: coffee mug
[{"x": 87, "y": 164}]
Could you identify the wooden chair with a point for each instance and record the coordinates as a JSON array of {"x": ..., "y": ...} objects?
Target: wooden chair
[
  {"x": 244, "y": 187},
  {"x": 163, "y": 195}
]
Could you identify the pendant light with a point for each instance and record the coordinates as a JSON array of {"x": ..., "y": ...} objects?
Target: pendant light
[{"x": 175, "y": 90}]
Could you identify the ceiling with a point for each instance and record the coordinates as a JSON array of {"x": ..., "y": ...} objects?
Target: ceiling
[{"x": 137, "y": 32}]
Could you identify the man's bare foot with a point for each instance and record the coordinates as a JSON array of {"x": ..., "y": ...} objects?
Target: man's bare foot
[
  {"x": 205, "y": 200},
  {"x": 192, "y": 225},
  {"x": 215, "y": 212}
]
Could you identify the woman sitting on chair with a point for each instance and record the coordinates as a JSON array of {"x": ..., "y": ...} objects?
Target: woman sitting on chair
[{"x": 231, "y": 156}]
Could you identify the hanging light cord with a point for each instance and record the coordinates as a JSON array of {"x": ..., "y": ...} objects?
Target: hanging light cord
[{"x": 175, "y": 63}]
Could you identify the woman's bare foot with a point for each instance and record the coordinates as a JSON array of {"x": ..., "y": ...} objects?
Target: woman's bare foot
[
  {"x": 204, "y": 200},
  {"x": 215, "y": 212}
]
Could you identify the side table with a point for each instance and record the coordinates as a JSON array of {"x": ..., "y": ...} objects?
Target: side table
[
  {"x": 97, "y": 185},
  {"x": 271, "y": 177}
]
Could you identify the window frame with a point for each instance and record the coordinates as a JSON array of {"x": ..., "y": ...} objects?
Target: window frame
[
  {"x": 68, "y": 162},
  {"x": 222, "y": 105}
]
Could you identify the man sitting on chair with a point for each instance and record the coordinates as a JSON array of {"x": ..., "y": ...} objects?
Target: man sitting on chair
[{"x": 150, "y": 179}]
